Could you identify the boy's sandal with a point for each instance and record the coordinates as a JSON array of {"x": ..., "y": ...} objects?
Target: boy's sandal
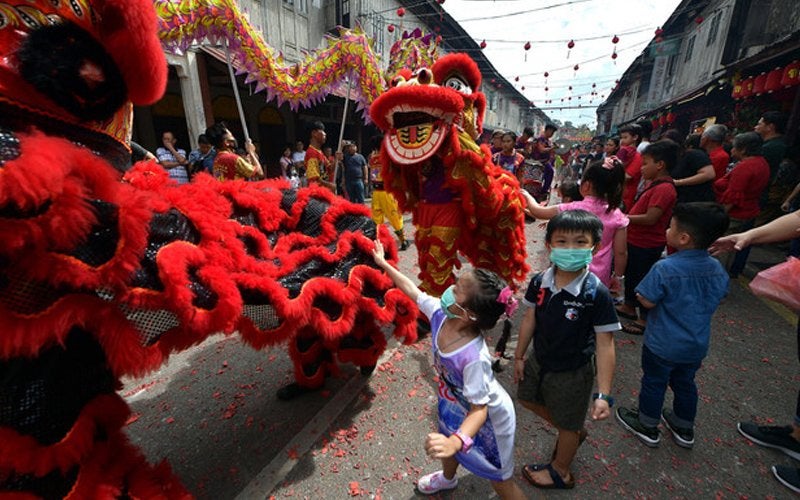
[
  {"x": 558, "y": 482},
  {"x": 633, "y": 328}
]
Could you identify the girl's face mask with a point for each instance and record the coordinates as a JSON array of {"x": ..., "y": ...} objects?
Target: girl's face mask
[{"x": 448, "y": 299}]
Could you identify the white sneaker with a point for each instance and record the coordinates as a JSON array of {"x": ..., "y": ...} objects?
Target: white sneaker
[{"x": 435, "y": 482}]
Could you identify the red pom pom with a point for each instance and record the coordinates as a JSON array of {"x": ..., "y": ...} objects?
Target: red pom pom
[
  {"x": 483, "y": 44},
  {"x": 527, "y": 46},
  {"x": 401, "y": 12}
]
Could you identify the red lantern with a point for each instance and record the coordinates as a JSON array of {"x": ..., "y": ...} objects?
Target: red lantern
[
  {"x": 523, "y": 87},
  {"x": 516, "y": 78},
  {"x": 570, "y": 45},
  {"x": 654, "y": 123},
  {"x": 659, "y": 32},
  {"x": 441, "y": 2},
  {"x": 614, "y": 56},
  {"x": 570, "y": 88},
  {"x": 546, "y": 74},
  {"x": 670, "y": 117},
  {"x": 483, "y": 44},
  {"x": 615, "y": 40},
  {"x": 662, "y": 120},
  {"x": 747, "y": 87},
  {"x": 698, "y": 19},
  {"x": 576, "y": 67},
  {"x": 401, "y": 12},
  {"x": 546, "y": 89},
  {"x": 390, "y": 28},
  {"x": 759, "y": 83},
  {"x": 773, "y": 80},
  {"x": 527, "y": 47},
  {"x": 791, "y": 74}
]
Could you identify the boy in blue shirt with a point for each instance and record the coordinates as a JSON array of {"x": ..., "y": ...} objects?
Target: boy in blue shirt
[{"x": 682, "y": 292}]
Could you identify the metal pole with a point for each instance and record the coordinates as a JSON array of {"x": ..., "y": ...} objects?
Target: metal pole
[
  {"x": 341, "y": 132},
  {"x": 236, "y": 91}
]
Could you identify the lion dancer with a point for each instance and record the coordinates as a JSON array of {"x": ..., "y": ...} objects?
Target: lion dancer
[
  {"x": 461, "y": 202},
  {"x": 384, "y": 205}
]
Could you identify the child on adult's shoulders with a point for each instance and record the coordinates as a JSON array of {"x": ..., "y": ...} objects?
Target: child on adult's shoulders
[
  {"x": 570, "y": 319},
  {"x": 682, "y": 293}
]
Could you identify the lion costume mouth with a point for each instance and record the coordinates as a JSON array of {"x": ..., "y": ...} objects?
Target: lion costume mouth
[{"x": 416, "y": 134}]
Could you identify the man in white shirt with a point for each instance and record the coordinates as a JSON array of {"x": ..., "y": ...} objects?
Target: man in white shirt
[{"x": 172, "y": 159}]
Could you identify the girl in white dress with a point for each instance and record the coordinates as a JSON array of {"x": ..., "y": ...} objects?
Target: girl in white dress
[{"x": 476, "y": 415}]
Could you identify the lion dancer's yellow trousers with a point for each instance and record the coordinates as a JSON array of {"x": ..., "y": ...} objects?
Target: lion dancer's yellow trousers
[{"x": 438, "y": 230}]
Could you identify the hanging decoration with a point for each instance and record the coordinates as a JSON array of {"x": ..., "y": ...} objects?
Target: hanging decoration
[
  {"x": 441, "y": 11},
  {"x": 791, "y": 74},
  {"x": 773, "y": 80},
  {"x": 699, "y": 20},
  {"x": 527, "y": 47},
  {"x": 575, "y": 70},
  {"x": 570, "y": 45},
  {"x": 390, "y": 28},
  {"x": 400, "y": 13},
  {"x": 546, "y": 74},
  {"x": 483, "y": 44},
  {"x": 614, "y": 42}
]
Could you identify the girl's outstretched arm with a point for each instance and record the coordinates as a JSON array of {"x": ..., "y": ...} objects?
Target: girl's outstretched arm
[
  {"x": 536, "y": 210},
  {"x": 401, "y": 281}
]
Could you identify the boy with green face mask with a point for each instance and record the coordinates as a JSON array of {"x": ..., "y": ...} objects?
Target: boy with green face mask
[{"x": 571, "y": 319}]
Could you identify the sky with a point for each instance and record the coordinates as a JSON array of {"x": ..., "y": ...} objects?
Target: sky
[{"x": 549, "y": 25}]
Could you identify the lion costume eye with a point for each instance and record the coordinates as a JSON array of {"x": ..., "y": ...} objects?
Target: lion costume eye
[{"x": 458, "y": 84}]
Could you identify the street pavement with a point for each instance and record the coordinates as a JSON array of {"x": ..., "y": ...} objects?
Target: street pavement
[{"x": 212, "y": 413}]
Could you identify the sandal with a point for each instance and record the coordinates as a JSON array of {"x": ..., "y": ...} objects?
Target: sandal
[
  {"x": 558, "y": 482},
  {"x": 633, "y": 328}
]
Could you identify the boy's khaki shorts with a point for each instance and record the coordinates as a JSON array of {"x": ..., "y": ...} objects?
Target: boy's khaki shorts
[{"x": 565, "y": 394}]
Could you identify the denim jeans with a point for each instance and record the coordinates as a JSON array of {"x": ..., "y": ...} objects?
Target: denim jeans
[
  {"x": 658, "y": 374},
  {"x": 355, "y": 191}
]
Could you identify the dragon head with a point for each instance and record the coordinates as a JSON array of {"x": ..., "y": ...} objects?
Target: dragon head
[{"x": 421, "y": 108}]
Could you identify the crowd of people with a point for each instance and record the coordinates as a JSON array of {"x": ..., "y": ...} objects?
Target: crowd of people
[
  {"x": 629, "y": 239},
  {"x": 639, "y": 224}
]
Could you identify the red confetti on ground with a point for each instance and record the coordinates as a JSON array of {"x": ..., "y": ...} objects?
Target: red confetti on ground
[
  {"x": 355, "y": 489},
  {"x": 169, "y": 420},
  {"x": 230, "y": 411},
  {"x": 292, "y": 454},
  {"x": 133, "y": 418},
  {"x": 412, "y": 392}
]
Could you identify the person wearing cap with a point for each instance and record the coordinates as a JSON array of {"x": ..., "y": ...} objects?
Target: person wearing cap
[
  {"x": 317, "y": 165},
  {"x": 712, "y": 139}
]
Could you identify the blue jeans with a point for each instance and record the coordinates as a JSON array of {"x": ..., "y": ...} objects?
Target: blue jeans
[
  {"x": 355, "y": 191},
  {"x": 658, "y": 374}
]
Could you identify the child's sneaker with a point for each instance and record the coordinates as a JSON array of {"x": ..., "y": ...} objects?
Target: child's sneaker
[
  {"x": 788, "y": 476},
  {"x": 771, "y": 436},
  {"x": 435, "y": 482},
  {"x": 629, "y": 419},
  {"x": 683, "y": 436}
]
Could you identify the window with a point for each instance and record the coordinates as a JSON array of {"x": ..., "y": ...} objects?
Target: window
[
  {"x": 713, "y": 29},
  {"x": 302, "y": 6},
  {"x": 689, "y": 49}
]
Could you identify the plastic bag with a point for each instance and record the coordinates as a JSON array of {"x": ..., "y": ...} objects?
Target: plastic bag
[{"x": 780, "y": 283}]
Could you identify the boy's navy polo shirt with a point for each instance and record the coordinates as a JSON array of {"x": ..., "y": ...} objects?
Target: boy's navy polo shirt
[
  {"x": 567, "y": 319},
  {"x": 686, "y": 288}
]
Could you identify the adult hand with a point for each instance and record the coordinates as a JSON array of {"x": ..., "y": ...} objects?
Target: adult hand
[
  {"x": 339, "y": 156},
  {"x": 600, "y": 409},
  {"x": 249, "y": 146},
  {"x": 730, "y": 243},
  {"x": 440, "y": 446},
  {"x": 519, "y": 369}
]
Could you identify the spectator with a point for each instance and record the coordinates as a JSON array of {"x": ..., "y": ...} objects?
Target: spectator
[
  {"x": 544, "y": 152},
  {"x": 286, "y": 162},
  {"x": 649, "y": 218},
  {"x": 202, "y": 158},
  {"x": 227, "y": 164},
  {"x": 611, "y": 147},
  {"x": 497, "y": 141},
  {"x": 646, "y": 129},
  {"x": 712, "y": 139},
  {"x": 298, "y": 160},
  {"x": 527, "y": 135},
  {"x": 694, "y": 174},
  {"x": 508, "y": 158},
  {"x": 770, "y": 127},
  {"x": 355, "y": 173},
  {"x": 172, "y": 159},
  {"x": 740, "y": 190},
  {"x": 631, "y": 135}
]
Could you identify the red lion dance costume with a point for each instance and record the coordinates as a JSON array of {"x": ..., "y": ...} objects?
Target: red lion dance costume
[
  {"x": 102, "y": 276},
  {"x": 460, "y": 200}
]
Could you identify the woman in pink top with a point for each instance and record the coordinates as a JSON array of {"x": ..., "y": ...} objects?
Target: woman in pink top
[{"x": 601, "y": 187}]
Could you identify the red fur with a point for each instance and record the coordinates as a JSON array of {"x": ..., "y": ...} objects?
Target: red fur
[
  {"x": 128, "y": 33},
  {"x": 460, "y": 64},
  {"x": 416, "y": 96}
]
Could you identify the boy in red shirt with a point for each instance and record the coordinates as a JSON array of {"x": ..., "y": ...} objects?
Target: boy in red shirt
[
  {"x": 631, "y": 135},
  {"x": 649, "y": 218}
]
